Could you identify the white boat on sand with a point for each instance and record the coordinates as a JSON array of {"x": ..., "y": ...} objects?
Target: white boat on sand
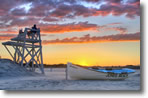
[{"x": 79, "y": 72}]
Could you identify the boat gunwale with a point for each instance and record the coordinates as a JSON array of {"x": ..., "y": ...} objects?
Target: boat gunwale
[{"x": 97, "y": 71}]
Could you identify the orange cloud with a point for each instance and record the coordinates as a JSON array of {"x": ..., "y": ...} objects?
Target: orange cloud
[
  {"x": 6, "y": 36},
  {"x": 65, "y": 28},
  {"x": 78, "y": 27},
  {"x": 95, "y": 39},
  {"x": 72, "y": 27},
  {"x": 116, "y": 23}
]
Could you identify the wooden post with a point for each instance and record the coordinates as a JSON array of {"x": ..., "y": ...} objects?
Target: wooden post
[
  {"x": 25, "y": 33},
  {"x": 41, "y": 57},
  {"x": 66, "y": 73}
]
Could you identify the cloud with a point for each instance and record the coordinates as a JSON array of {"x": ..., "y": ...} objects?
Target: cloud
[
  {"x": 62, "y": 28},
  {"x": 67, "y": 8},
  {"x": 14, "y": 13},
  {"x": 116, "y": 10},
  {"x": 84, "y": 39},
  {"x": 50, "y": 19},
  {"x": 116, "y": 23},
  {"x": 113, "y": 7},
  {"x": 7, "y": 5},
  {"x": 119, "y": 29},
  {"x": 6, "y": 36},
  {"x": 95, "y": 39},
  {"x": 92, "y": 0},
  {"x": 71, "y": 27},
  {"x": 79, "y": 27},
  {"x": 8, "y": 30}
]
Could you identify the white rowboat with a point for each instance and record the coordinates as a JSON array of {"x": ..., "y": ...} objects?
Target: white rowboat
[{"x": 79, "y": 72}]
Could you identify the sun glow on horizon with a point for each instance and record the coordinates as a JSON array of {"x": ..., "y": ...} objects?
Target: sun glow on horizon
[
  {"x": 94, "y": 54},
  {"x": 83, "y": 63}
]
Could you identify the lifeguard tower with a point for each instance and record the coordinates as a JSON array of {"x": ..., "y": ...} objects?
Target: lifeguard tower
[{"x": 27, "y": 48}]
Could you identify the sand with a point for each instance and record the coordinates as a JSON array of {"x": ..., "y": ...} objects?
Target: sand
[{"x": 14, "y": 77}]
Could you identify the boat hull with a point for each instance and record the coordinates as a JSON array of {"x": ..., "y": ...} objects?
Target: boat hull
[{"x": 77, "y": 72}]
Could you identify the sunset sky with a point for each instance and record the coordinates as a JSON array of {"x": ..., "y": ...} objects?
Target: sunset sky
[{"x": 86, "y": 32}]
